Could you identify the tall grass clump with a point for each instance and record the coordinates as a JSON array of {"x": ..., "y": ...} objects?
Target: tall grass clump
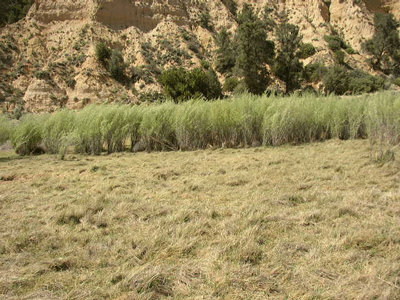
[
  {"x": 347, "y": 118},
  {"x": 157, "y": 127},
  {"x": 382, "y": 121},
  {"x": 113, "y": 127},
  {"x": 5, "y": 129},
  {"x": 224, "y": 120},
  {"x": 56, "y": 130},
  {"x": 133, "y": 119},
  {"x": 293, "y": 120},
  {"x": 192, "y": 126},
  {"x": 252, "y": 108},
  {"x": 88, "y": 134},
  {"x": 27, "y": 136}
]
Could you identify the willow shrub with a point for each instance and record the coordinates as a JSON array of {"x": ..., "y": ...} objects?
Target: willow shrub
[
  {"x": 196, "y": 124},
  {"x": 157, "y": 129},
  {"x": 27, "y": 136},
  {"x": 5, "y": 129},
  {"x": 56, "y": 129},
  {"x": 113, "y": 127},
  {"x": 87, "y": 135},
  {"x": 133, "y": 119},
  {"x": 192, "y": 126}
]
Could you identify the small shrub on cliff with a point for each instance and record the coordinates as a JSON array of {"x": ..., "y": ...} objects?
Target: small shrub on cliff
[
  {"x": 103, "y": 53},
  {"x": 306, "y": 50}
]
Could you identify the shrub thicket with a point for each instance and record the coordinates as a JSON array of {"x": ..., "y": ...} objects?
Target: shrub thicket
[
  {"x": 314, "y": 72},
  {"x": 336, "y": 80},
  {"x": 335, "y": 42},
  {"x": 236, "y": 122},
  {"x": 112, "y": 60},
  {"x": 181, "y": 85},
  {"x": 13, "y": 10},
  {"x": 56, "y": 129},
  {"x": 5, "y": 129},
  {"x": 27, "y": 136},
  {"x": 103, "y": 53},
  {"x": 306, "y": 50},
  {"x": 361, "y": 82}
]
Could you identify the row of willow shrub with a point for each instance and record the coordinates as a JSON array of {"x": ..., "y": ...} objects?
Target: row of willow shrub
[{"x": 197, "y": 124}]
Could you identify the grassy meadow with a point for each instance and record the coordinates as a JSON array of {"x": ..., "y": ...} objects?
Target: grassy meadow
[
  {"x": 316, "y": 218},
  {"x": 314, "y": 221}
]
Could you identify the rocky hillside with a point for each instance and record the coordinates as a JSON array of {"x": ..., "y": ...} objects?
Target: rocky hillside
[{"x": 47, "y": 60}]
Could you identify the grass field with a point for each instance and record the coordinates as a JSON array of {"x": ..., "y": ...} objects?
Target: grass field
[{"x": 315, "y": 221}]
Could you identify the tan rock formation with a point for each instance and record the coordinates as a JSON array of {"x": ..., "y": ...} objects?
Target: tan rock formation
[{"x": 60, "y": 37}]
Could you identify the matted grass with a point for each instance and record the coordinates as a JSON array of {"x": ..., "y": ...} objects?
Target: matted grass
[{"x": 316, "y": 221}]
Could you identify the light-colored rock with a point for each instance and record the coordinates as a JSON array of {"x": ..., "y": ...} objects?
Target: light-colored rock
[{"x": 60, "y": 36}]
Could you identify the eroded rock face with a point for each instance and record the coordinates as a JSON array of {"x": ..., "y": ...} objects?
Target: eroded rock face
[
  {"x": 144, "y": 15},
  {"x": 43, "y": 96},
  {"x": 46, "y": 11},
  {"x": 60, "y": 37}
]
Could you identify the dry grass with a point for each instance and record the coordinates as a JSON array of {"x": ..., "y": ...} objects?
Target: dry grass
[{"x": 317, "y": 221}]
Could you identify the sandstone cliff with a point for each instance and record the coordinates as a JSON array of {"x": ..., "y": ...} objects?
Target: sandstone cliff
[{"x": 47, "y": 60}]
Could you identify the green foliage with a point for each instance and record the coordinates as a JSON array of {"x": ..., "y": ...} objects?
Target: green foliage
[
  {"x": 56, "y": 129},
  {"x": 103, "y": 53},
  {"x": 231, "y": 5},
  {"x": 157, "y": 127},
  {"x": 5, "y": 129},
  {"x": 112, "y": 60},
  {"x": 116, "y": 66},
  {"x": 254, "y": 50},
  {"x": 205, "y": 64},
  {"x": 197, "y": 124},
  {"x": 287, "y": 65},
  {"x": 182, "y": 85},
  {"x": 27, "y": 136},
  {"x": 306, "y": 50},
  {"x": 87, "y": 135},
  {"x": 315, "y": 72},
  {"x": 396, "y": 81},
  {"x": 351, "y": 51},
  {"x": 230, "y": 84},
  {"x": 339, "y": 57},
  {"x": 42, "y": 74},
  {"x": 205, "y": 20},
  {"x": 339, "y": 80},
  {"x": 336, "y": 80},
  {"x": 335, "y": 42},
  {"x": 13, "y": 10},
  {"x": 361, "y": 82},
  {"x": 385, "y": 43},
  {"x": 113, "y": 128},
  {"x": 226, "y": 54}
]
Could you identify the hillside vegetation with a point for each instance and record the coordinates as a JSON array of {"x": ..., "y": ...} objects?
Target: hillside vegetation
[{"x": 72, "y": 53}]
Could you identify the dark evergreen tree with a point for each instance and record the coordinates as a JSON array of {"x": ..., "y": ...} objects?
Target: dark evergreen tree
[
  {"x": 226, "y": 57},
  {"x": 385, "y": 44},
  {"x": 254, "y": 51},
  {"x": 336, "y": 80},
  {"x": 13, "y": 10},
  {"x": 287, "y": 66}
]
